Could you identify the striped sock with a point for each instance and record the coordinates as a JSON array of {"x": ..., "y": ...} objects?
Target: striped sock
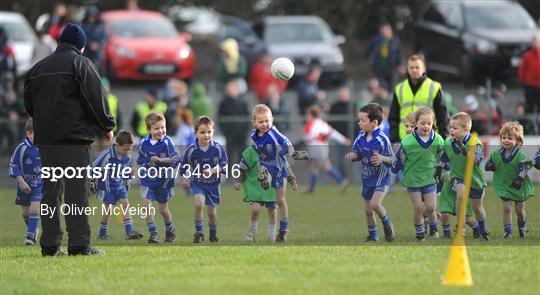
[
  {"x": 152, "y": 228},
  {"x": 284, "y": 224},
  {"x": 521, "y": 223},
  {"x": 482, "y": 225},
  {"x": 508, "y": 228},
  {"x": 420, "y": 228},
  {"x": 386, "y": 220},
  {"x": 128, "y": 225},
  {"x": 446, "y": 230},
  {"x": 199, "y": 226},
  {"x": 33, "y": 222},
  {"x": 102, "y": 229},
  {"x": 372, "y": 231},
  {"x": 169, "y": 226},
  {"x": 212, "y": 229}
]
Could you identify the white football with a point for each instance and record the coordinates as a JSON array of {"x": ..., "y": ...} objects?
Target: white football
[{"x": 282, "y": 69}]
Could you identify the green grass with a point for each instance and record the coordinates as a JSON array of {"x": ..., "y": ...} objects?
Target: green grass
[{"x": 324, "y": 254}]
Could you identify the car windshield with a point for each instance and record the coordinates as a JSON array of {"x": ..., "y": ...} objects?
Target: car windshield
[
  {"x": 498, "y": 16},
  {"x": 17, "y": 31},
  {"x": 140, "y": 28},
  {"x": 297, "y": 32}
]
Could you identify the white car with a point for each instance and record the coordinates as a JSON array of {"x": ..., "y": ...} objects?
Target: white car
[{"x": 21, "y": 37}]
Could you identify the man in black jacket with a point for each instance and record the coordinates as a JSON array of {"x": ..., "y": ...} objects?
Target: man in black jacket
[{"x": 64, "y": 96}]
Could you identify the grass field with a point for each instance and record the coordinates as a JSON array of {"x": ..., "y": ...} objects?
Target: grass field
[{"x": 324, "y": 254}]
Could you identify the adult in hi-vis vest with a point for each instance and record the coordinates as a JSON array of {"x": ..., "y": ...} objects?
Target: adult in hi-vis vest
[
  {"x": 416, "y": 91},
  {"x": 143, "y": 108}
]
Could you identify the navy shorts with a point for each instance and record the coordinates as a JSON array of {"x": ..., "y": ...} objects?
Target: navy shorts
[
  {"x": 430, "y": 188},
  {"x": 25, "y": 199},
  {"x": 269, "y": 205},
  {"x": 367, "y": 192},
  {"x": 474, "y": 193},
  {"x": 211, "y": 193},
  {"x": 161, "y": 195},
  {"x": 112, "y": 197}
]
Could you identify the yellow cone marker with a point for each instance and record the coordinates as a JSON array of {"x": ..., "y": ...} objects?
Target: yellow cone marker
[
  {"x": 120, "y": 216},
  {"x": 458, "y": 271}
]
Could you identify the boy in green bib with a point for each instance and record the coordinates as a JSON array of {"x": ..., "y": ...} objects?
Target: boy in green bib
[
  {"x": 455, "y": 153},
  {"x": 447, "y": 206},
  {"x": 510, "y": 179},
  {"x": 256, "y": 195},
  {"x": 418, "y": 155}
]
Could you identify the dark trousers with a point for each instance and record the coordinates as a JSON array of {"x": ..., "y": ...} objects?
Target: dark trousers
[
  {"x": 532, "y": 99},
  {"x": 75, "y": 191}
]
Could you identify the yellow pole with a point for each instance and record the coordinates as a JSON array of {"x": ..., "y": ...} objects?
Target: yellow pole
[{"x": 458, "y": 271}]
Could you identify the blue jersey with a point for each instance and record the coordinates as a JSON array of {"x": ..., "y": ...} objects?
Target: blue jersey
[
  {"x": 26, "y": 162},
  {"x": 373, "y": 176},
  {"x": 163, "y": 148},
  {"x": 272, "y": 148},
  {"x": 111, "y": 181},
  {"x": 196, "y": 159}
]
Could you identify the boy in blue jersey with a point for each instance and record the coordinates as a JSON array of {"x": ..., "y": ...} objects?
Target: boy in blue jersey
[
  {"x": 155, "y": 153},
  {"x": 374, "y": 149},
  {"x": 204, "y": 163},
  {"x": 272, "y": 147},
  {"x": 111, "y": 188},
  {"x": 25, "y": 166}
]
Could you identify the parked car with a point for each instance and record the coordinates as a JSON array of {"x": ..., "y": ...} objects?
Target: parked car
[
  {"x": 21, "y": 37},
  {"x": 306, "y": 40},
  {"x": 250, "y": 44},
  {"x": 474, "y": 39},
  {"x": 144, "y": 45}
]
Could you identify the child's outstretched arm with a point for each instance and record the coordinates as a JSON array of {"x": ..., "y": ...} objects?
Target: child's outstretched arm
[
  {"x": 490, "y": 166},
  {"x": 398, "y": 160},
  {"x": 523, "y": 167}
]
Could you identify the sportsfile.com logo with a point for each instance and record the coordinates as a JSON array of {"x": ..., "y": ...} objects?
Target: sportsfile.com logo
[{"x": 122, "y": 172}]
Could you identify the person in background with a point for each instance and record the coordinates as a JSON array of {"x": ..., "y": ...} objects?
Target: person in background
[
  {"x": 44, "y": 46},
  {"x": 96, "y": 35},
  {"x": 529, "y": 75},
  {"x": 177, "y": 98},
  {"x": 7, "y": 54},
  {"x": 143, "y": 108},
  {"x": 277, "y": 105},
  {"x": 308, "y": 90},
  {"x": 200, "y": 104},
  {"x": 526, "y": 121},
  {"x": 385, "y": 57},
  {"x": 233, "y": 108},
  {"x": 342, "y": 107},
  {"x": 261, "y": 78},
  {"x": 414, "y": 92},
  {"x": 11, "y": 111},
  {"x": 231, "y": 66},
  {"x": 113, "y": 105}
]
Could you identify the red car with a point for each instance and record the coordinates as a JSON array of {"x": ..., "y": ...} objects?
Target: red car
[{"x": 144, "y": 45}]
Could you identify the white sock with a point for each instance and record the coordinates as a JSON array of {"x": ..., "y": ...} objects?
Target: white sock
[
  {"x": 253, "y": 225},
  {"x": 271, "y": 230}
]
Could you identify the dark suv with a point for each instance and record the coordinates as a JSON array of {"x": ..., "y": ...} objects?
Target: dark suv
[{"x": 474, "y": 39}]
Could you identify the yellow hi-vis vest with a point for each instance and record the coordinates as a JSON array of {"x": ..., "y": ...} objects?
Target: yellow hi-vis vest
[
  {"x": 143, "y": 109},
  {"x": 410, "y": 102},
  {"x": 113, "y": 106}
]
